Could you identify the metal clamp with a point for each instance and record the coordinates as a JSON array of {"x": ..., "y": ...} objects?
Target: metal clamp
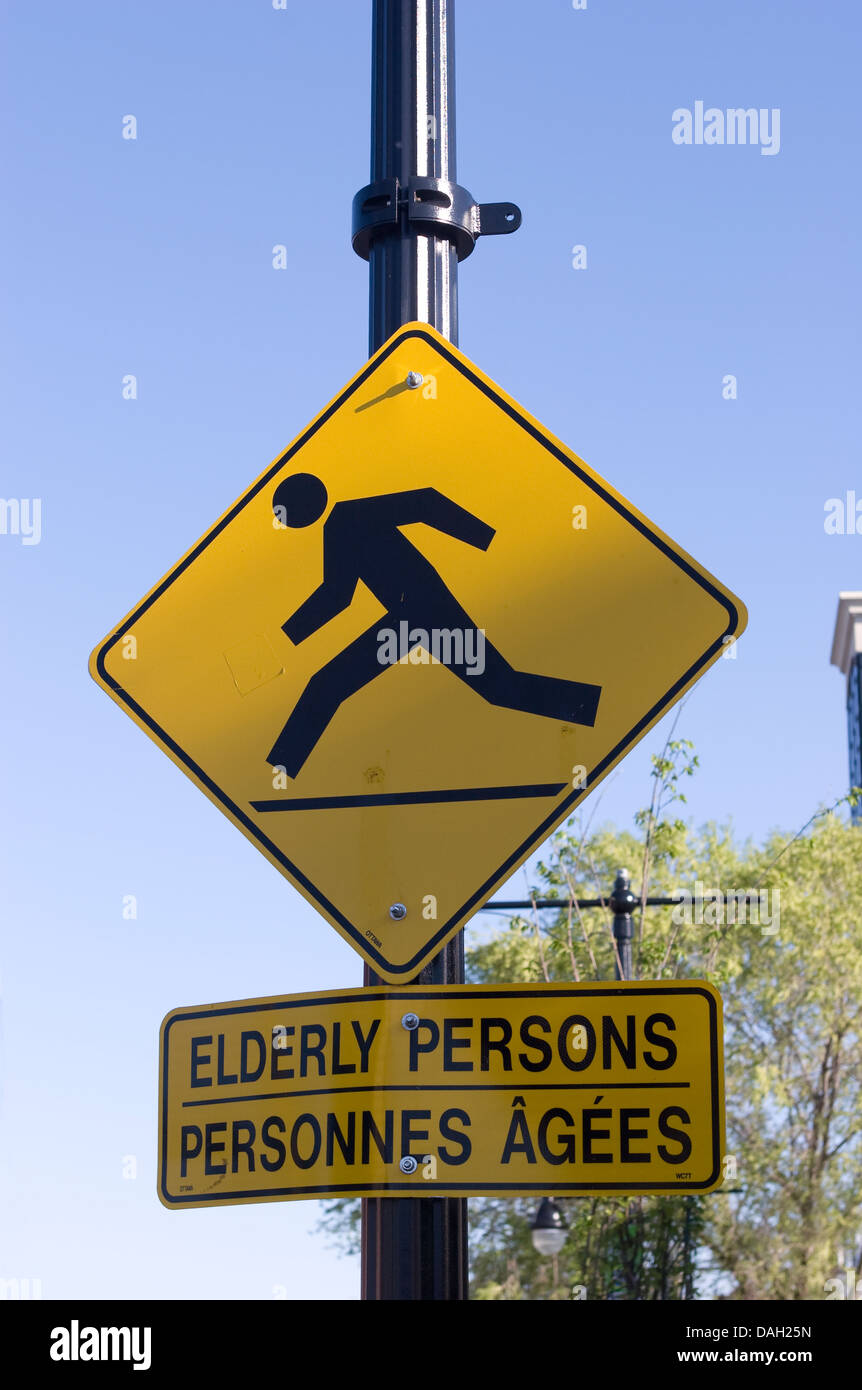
[{"x": 433, "y": 204}]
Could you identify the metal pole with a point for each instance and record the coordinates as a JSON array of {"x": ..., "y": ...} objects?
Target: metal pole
[
  {"x": 414, "y": 1248},
  {"x": 622, "y": 901},
  {"x": 413, "y": 270}
]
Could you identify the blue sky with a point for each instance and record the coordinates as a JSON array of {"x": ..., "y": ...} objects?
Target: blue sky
[{"x": 154, "y": 257}]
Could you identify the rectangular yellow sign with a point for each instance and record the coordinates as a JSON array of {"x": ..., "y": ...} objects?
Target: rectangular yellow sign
[{"x": 444, "y": 1091}]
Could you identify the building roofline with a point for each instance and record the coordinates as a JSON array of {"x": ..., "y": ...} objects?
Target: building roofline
[{"x": 847, "y": 638}]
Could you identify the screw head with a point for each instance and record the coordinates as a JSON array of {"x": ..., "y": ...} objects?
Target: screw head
[
  {"x": 398, "y": 912},
  {"x": 408, "y": 1164},
  {"x": 410, "y": 1021},
  {"x": 414, "y": 379}
]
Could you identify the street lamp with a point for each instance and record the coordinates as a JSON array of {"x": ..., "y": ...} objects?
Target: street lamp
[{"x": 548, "y": 1228}]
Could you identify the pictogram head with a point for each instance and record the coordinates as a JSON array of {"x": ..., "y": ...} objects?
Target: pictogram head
[{"x": 299, "y": 500}]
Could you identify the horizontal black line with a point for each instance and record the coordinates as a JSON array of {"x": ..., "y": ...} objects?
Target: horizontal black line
[
  {"x": 454, "y": 1086},
  {"x": 546, "y": 1185},
  {"x": 327, "y": 803}
]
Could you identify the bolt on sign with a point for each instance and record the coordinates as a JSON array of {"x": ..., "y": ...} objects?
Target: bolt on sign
[
  {"x": 408, "y": 651},
  {"x": 444, "y": 1090}
]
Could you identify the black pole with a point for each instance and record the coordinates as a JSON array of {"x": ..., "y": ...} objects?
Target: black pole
[
  {"x": 622, "y": 901},
  {"x": 413, "y": 270},
  {"x": 412, "y": 1248},
  {"x": 416, "y": 1247}
]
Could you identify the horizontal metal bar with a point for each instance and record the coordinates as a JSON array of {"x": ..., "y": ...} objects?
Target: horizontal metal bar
[{"x": 523, "y": 904}]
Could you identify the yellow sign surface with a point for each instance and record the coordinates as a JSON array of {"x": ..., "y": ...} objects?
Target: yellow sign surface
[
  {"x": 412, "y": 647},
  {"x": 443, "y": 1091}
]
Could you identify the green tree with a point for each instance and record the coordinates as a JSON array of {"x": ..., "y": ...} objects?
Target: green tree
[
  {"x": 793, "y": 1041},
  {"x": 790, "y": 972},
  {"x": 637, "y": 1248}
]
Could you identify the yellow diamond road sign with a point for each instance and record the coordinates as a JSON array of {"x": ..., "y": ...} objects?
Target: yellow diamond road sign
[
  {"x": 444, "y": 1091},
  {"x": 415, "y": 643}
]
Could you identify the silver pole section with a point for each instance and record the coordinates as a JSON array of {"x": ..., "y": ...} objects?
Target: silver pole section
[{"x": 413, "y": 269}]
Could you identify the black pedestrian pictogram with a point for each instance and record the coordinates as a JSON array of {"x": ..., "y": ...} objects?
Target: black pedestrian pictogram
[{"x": 362, "y": 541}]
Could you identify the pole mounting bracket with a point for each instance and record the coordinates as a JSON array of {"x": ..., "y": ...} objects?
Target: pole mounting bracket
[{"x": 436, "y": 206}]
